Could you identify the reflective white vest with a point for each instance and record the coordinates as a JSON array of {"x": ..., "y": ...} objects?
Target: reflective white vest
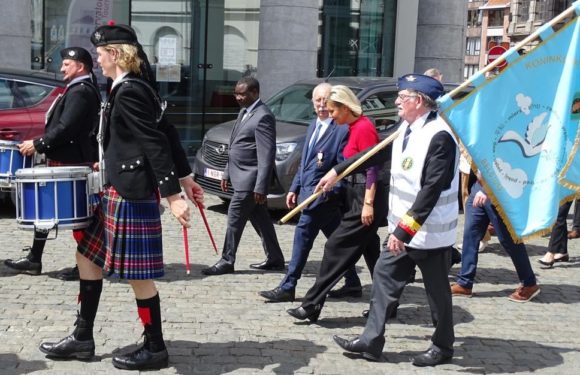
[{"x": 439, "y": 230}]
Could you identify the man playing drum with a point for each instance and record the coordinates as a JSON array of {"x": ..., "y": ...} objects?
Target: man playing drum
[{"x": 69, "y": 139}]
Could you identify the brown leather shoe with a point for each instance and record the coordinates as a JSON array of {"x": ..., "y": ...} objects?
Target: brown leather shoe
[
  {"x": 573, "y": 234},
  {"x": 524, "y": 293},
  {"x": 461, "y": 291}
]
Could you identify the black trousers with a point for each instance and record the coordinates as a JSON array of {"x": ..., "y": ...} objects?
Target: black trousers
[
  {"x": 559, "y": 237},
  {"x": 243, "y": 208},
  {"x": 390, "y": 277},
  {"x": 349, "y": 242}
]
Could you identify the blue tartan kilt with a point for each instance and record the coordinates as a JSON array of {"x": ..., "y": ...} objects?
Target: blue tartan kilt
[{"x": 124, "y": 237}]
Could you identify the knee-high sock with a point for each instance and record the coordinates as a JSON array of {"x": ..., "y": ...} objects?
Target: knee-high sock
[
  {"x": 89, "y": 297},
  {"x": 150, "y": 313},
  {"x": 37, "y": 248}
]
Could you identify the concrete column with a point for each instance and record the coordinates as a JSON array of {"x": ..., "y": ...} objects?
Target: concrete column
[
  {"x": 441, "y": 28},
  {"x": 288, "y": 43},
  {"x": 15, "y": 34}
]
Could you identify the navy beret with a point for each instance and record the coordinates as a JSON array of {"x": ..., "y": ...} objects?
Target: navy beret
[
  {"x": 421, "y": 83},
  {"x": 113, "y": 34},
  {"x": 79, "y": 54}
]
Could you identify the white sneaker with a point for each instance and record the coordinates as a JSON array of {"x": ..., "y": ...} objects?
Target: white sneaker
[{"x": 483, "y": 245}]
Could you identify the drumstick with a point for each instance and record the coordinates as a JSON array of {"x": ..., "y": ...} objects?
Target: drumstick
[
  {"x": 208, "y": 230},
  {"x": 186, "y": 249}
]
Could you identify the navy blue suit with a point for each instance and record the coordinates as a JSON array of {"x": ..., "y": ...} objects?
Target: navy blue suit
[{"x": 324, "y": 213}]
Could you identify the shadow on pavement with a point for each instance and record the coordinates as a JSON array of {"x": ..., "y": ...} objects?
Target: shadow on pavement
[
  {"x": 9, "y": 363},
  {"x": 280, "y": 356},
  {"x": 481, "y": 355}
]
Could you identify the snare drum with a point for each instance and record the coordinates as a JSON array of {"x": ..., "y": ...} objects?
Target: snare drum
[
  {"x": 54, "y": 197},
  {"x": 10, "y": 161}
]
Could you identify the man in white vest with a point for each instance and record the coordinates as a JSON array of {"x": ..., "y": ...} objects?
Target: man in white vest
[{"x": 422, "y": 219}]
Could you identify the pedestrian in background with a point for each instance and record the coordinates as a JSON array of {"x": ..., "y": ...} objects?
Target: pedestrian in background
[
  {"x": 251, "y": 157},
  {"x": 323, "y": 146}
]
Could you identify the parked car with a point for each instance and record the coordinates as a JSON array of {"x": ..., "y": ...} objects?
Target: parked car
[
  {"x": 25, "y": 97},
  {"x": 293, "y": 110}
]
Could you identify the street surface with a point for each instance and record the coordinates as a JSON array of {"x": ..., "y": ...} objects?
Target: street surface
[{"x": 218, "y": 324}]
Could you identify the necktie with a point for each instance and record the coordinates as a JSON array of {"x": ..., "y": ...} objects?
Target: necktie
[
  {"x": 313, "y": 140},
  {"x": 406, "y": 139},
  {"x": 244, "y": 113}
]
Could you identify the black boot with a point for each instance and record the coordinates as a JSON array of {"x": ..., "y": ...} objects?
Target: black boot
[
  {"x": 70, "y": 346},
  {"x": 143, "y": 358},
  {"x": 153, "y": 354},
  {"x": 24, "y": 265}
]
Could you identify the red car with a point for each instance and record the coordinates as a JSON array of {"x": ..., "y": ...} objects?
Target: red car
[{"x": 25, "y": 97}]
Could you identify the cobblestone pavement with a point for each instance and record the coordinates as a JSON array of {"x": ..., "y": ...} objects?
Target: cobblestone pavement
[{"x": 217, "y": 325}]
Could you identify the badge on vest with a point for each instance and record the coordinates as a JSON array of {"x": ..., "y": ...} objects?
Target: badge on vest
[
  {"x": 407, "y": 163},
  {"x": 319, "y": 156}
]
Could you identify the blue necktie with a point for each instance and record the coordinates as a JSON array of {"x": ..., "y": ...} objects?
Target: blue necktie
[
  {"x": 406, "y": 139},
  {"x": 313, "y": 141}
]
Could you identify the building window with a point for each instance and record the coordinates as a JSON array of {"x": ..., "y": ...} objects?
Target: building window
[
  {"x": 495, "y": 18},
  {"x": 469, "y": 70},
  {"x": 473, "y": 18},
  {"x": 357, "y": 38},
  {"x": 494, "y": 40},
  {"x": 473, "y": 46},
  {"x": 523, "y": 11}
]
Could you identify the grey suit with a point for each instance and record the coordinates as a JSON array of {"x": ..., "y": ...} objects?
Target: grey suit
[{"x": 252, "y": 152}]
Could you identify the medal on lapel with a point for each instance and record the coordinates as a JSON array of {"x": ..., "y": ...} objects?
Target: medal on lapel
[{"x": 319, "y": 156}]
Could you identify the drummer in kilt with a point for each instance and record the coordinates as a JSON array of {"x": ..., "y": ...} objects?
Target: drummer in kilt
[
  {"x": 68, "y": 140},
  {"x": 124, "y": 237}
]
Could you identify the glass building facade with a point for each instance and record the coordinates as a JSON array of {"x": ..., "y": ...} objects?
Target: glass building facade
[{"x": 200, "y": 48}]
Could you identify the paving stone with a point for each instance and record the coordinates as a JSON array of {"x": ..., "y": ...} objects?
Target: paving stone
[{"x": 217, "y": 325}]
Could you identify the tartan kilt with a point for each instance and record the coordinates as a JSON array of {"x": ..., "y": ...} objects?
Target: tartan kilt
[{"x": 124, "y": 237}]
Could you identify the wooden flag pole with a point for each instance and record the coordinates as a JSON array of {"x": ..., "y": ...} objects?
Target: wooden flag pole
[{"x": 379, "y": 146}]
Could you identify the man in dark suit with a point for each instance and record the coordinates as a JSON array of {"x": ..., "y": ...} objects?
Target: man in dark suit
[
  {"x": 68, "y": 140},
  {"x": 322, "y": 150},
  {"x": 252, "y": 151}
]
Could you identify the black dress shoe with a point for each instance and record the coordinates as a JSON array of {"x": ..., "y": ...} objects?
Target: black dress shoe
[
  {"x": 356, "y": 346},
  {"x": 69, "y": 347},
  {"x": 220, "y": 268},
  {"x": 311, "y": 313},
  {"x": 431, "y": 357},
  {"x": 346, "y": 291},
  {"x": 278, "y": 295},
  {"x": 365, "y": 313},
  {"x": 268, "y": 266},
  {"x": 71, "y": 274},
  {"x": 142, "y": 359},
  {"x": 24, "y": 265},
  {"x": 563, "y": 258}
]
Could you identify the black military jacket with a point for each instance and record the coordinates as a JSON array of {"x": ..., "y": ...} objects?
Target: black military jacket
[
  {"x": 138, "y": 157},
  {"x": 71, "y": 123}
]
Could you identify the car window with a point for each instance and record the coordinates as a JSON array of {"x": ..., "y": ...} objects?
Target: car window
[
  {"x": 6, "y": 95},
  {"x": 380, "y": 108},
  {"x": 293, "y": 104},
  {"x": 32, "y": 93}
]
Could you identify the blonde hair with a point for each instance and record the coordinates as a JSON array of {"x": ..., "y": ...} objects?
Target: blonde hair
[
  {"x": 127, "y": 57},
  {"x": 343, "y": 95}
]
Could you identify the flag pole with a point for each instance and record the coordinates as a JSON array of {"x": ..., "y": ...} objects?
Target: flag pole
[
  {"x": 521, "y": 44},
  {"x": 378, "y": 147}
]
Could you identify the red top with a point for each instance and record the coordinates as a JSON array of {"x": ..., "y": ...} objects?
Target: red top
[{"x": 362, "y": 135}]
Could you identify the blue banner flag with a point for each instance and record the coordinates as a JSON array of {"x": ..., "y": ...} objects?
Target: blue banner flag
[{"x": 520, "y": 128}]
